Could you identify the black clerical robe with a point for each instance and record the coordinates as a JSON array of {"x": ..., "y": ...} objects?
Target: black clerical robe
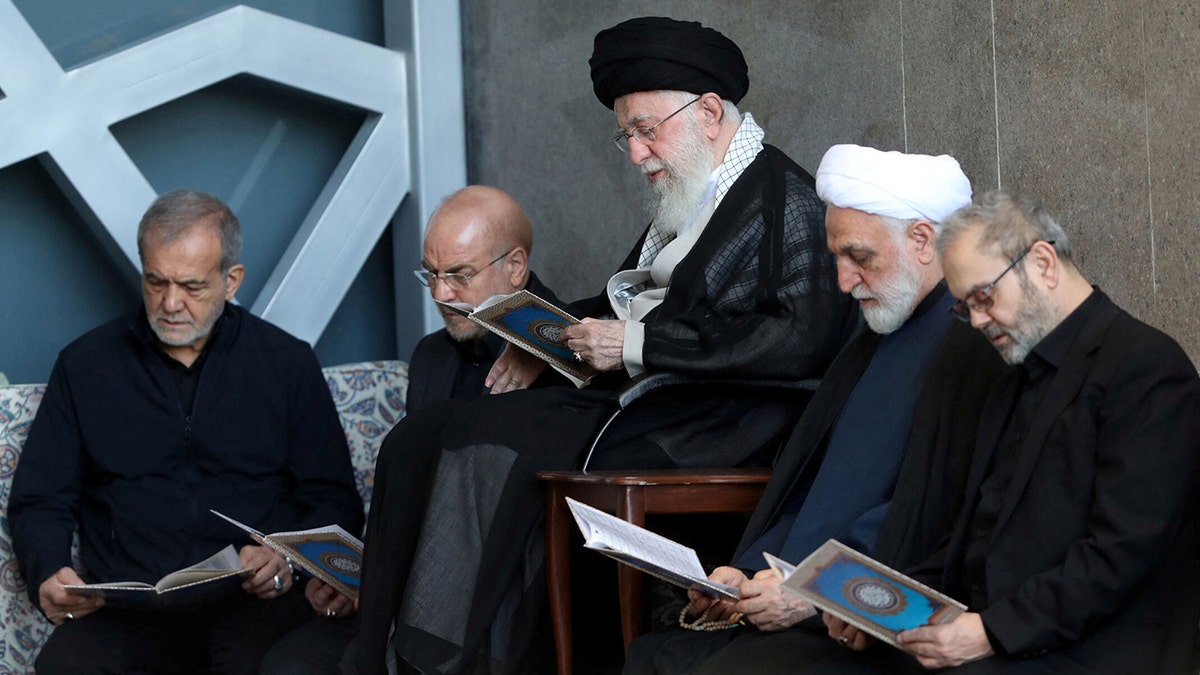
[{"x": 455, "y": 535}]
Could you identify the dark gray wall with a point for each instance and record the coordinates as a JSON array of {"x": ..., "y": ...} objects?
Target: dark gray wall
[
  {"x": 264, "y": 149},
  {"x": 1093, "y": 106}
]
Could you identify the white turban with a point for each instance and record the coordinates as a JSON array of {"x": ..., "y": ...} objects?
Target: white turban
[{"x": 892, "y": 184}]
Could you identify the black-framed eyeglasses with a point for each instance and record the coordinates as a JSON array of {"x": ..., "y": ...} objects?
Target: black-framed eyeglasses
[
  {"x": 980, "y": 299},
  {"x": 645, "y": 134},
  {"x": 454, "y": 280}
]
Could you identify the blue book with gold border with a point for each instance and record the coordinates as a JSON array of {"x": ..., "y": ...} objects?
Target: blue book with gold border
[{"x": 866, "y": 593}]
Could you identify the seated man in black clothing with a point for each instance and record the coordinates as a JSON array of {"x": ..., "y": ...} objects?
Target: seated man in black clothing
[
  {"x": 1076, "y": 549},
  {"x": 878, "y": 459},
  {"x": 189, "y": 404},
  {"x": 477, "y": 245}
]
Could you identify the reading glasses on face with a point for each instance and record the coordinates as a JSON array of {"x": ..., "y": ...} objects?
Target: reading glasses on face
[
  {"x": 644, "y": 134},
  {"x": 980, "y": 299},
  {"x": 454, "y": 280}
]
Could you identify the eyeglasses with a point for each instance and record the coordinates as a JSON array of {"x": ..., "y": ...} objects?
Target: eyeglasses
[
  {"x": 644, "y": 134},
  {"x": 980, "y": 299},
  {"x": 454, "y": 280}
]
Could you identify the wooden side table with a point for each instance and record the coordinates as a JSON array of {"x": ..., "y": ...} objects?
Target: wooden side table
[{"x": 630, "y": 495}]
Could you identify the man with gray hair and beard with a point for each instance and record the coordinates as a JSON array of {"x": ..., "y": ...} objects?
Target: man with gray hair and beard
[
  {"x": 1076, "y": 548},
  {"x": 879, "y": 458},
  {"x": 728, "y": 286}
]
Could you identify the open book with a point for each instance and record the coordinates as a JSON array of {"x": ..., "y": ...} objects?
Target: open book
[
  {"x": 329, "y": 553},
  {"x": 644, "y": 550},
  {"x": 864, "y": 592},
  {"x": 213, "y": 577},
  {"x": 532, "y": 324}
]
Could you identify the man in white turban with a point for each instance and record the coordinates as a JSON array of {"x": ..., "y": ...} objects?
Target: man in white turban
[{"x": 878, "y": 460}]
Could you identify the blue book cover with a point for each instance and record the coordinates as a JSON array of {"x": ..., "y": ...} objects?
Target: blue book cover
[
  {"x": 532, "y": 324},
  {"x": 866, "y": 593}
]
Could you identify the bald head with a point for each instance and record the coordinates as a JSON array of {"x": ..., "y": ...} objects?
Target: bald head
[
  {"x": 483, "y": 233},
  {"x": 483, "y": 213}
]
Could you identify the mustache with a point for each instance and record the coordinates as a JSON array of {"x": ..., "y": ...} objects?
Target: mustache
[
  {"x": 992, "y": 331},
  {"x": 860, "y": 293}
]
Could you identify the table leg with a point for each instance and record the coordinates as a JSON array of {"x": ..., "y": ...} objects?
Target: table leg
[{"x": 558, "y": 575}]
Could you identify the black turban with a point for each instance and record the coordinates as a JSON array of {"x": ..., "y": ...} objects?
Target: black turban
[{"x": 653, "y": 53}]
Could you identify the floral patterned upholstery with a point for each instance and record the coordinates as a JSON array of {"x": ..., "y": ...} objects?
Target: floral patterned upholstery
[{"x": 369, "y": 397}]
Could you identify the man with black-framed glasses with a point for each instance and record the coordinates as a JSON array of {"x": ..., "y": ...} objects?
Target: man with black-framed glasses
[{"x": 1075, "y": 551}]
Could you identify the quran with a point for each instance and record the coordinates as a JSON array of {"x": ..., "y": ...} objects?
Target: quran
[
  {"x": 530, "y": 323},
  {"x": 864, "y": 592},
  {"x": 214, "y": 577},
  {"x": 329, "y": 553},
  {"x": 644, "y": 550}
]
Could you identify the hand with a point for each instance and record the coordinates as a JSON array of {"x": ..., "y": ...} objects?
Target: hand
[
  {"x": 326, "y": 600},
  {"x": 266, "y": 566},
  {"x": 768, "y": 606},
  {"x": 948, "y": 644},
  {"x": 515, "y": 369},
  {"x": 719, "y": 608},
  {"x": 847, "y": 635},
  {"x": 598, "y": 342},
  {"x": 58, "y": 602}
]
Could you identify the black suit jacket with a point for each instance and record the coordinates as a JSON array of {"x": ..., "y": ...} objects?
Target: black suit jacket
[{"x": 1094, "y": 548}]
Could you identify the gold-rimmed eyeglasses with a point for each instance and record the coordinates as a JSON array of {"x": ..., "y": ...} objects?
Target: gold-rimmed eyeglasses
[{"x": 645, "y": 135}]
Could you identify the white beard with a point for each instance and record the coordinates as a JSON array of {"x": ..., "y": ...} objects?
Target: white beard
[
  {"x": 676, "y": 196},
  {"x": 895, "y": 299}
]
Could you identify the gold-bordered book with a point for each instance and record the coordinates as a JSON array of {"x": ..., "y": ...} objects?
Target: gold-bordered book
[
  {"x": 531, "y": 323},
  {"x": 329, "y": 553},
  {"x": 866, "y": 593}
]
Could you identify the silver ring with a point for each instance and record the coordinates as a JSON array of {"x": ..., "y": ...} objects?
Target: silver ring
[
  {"x": 844, "y": 640},
  {"x": 278, "y": 583},
  {"x": 330, "y": 613},
  {"x": 70, "y": 616},
  {"x": 578, "y": 357}
]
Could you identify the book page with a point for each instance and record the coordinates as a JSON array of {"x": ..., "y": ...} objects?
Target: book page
[
  {"x": 631, "y": 544},
  {"x": 223, "y": 563}
]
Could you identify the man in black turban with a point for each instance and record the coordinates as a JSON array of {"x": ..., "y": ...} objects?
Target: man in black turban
[
  {"x": 655, "y": 53},
  {"x": 730, "y": 284}
]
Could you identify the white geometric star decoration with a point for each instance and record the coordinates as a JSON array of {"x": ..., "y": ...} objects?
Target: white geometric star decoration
[{"x": 66, "y": 115}]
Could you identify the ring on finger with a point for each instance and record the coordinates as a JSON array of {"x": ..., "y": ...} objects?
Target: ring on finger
[{"x": 278, "y": 583}]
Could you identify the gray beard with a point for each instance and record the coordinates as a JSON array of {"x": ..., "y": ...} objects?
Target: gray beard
[
  {"x": 674, "y": 199},
  {"x": 895, "y": 300},
  {"x": 1034, "y": 320}
]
